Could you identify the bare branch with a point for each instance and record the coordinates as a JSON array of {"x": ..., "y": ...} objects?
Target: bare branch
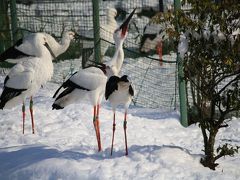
[{"x": 230, "y": 82}]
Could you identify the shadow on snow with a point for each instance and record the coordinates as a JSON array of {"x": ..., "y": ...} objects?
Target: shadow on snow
[{"x": 14, "y": 159}]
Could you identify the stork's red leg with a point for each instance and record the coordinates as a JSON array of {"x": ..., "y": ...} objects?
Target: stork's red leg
[
  {"x": 114, "y": 127},
  {"x": 23, "y": 117},
  {"x": 96, "y": 126},
  {"x": 31, "y": 112},
  {"x": 159, "y": 51},
  {"x": 125, "y": 133}
]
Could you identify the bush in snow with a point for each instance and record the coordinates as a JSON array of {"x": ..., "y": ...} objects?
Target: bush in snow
[{"x": 208, "y": 41}]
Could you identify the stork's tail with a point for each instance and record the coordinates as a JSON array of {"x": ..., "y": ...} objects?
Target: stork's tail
[
  {"x": 2, "y": 104},
  {"x": 56, "y": 106},
  {"x": 63, "y": 99},
  {"x": 55, "y": 94},
  {"x": 9, "y": 94}
]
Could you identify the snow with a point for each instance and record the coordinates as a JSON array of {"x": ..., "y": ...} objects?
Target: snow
[
  {"x": 65, "y": 147},
  {"x": 183, "y": 45}
]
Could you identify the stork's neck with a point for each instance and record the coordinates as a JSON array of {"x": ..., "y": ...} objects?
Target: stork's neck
[
  {"x": 45, "y": 65},
  {"x": 64, "y": 44},
  {"x": 45, "y": 53},
  {"x": 119, "y": 45},
  {"x": 111, "y": 20},
  {"x": 118, "y": 57}
]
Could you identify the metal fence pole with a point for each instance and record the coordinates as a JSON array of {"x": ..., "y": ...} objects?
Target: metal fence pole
[
  {"x": 161, "y": 9},
  {"x": 96, "y": 29},
  {"x": 13, "y": 20},
  {"x": 2, "y": 3},
  {"x": 181, "y": 80},
  {"x": 5, "y": 35}
]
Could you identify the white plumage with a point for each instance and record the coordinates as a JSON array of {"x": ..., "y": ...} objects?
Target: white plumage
[
  {"x": 107, "y": 30},
  {"x": 183, "y": 45},
  {"x": 152, "y": 35},
  {"x": 26, "y": 77},
  {"x": 121, "y": 96},
  {"x": 91, "y": 78},
  {"x": 29, "y": 76},
  {"x": 119, "y": 91},
  {"x": 59, "y": 48},
  {"x": 91, "y": 82},
  {"x": 117, "y": 60},
  {"x": 28, "y": 46}
]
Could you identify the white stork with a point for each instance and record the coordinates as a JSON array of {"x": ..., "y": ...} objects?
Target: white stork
[
  {"x": 107, "y": 30},
  {"x": 91, "y": 82},
  {"x": 153, "y": 36},
  {"x": 28, "y": 46},
  {"x": 119, "y": 91},
  {"x": 26, "y": 78}
]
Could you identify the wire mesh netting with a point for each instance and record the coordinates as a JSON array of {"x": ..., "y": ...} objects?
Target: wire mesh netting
[
  {"x": 155, "y": 85},
  {"x": 155, "y": 81}
]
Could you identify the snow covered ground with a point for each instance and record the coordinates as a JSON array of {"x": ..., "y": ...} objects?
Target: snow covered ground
[{"x": 64, "y": 146}]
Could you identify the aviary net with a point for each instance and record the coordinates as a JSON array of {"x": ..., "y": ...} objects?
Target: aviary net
[{"x": 155, "y": 81}]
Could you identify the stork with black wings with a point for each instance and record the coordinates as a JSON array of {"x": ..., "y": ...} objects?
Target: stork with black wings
[
  {"x": 90, "y": 82},
  {"x": 119, "y": 91}
]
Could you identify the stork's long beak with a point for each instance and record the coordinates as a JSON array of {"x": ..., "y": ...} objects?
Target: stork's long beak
[
  {"x": 124, "y": 25},
  {"x": 50, "y": 50}
]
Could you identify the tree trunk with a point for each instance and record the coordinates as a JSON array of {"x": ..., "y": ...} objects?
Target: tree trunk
[{"x": 209, "y": 159}]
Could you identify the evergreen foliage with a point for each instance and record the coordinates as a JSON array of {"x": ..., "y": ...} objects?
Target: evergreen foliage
[{"x": 211, "y": 66}]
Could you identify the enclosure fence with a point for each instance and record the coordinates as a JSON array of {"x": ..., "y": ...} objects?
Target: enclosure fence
[{"x": 155, "y": 81}]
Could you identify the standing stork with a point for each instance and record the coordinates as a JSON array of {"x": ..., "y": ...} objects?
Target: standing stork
[
  {"x": 28, "y": 46},
  {"x": 26, "y": 78},
  {"x": 107, "y": 30},
  {"x": 119, "y": 91},
  {"x": 152, "y": 38},
  {"x": 90, "y": 82}
]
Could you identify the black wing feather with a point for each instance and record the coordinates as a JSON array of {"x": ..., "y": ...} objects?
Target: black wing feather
[
  {"x": 6, "y": 79},
  {"x": 111, "y": 86},
  {"x": 8, "y": 94},
  {"x": 144, "y": 38},
  {"x": 13, "y": 53},
  {"x": 64, "y": 85},
  {"x": 70, "y": 87},
  {"x": 65, "y": 92},
  {"x": 131, "y": 91}
]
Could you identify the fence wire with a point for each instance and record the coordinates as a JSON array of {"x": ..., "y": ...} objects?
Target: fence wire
[{"x": 155, "y": 82}]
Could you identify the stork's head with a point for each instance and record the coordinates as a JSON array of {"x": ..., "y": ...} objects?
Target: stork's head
[
  {"x": 121, "y": 32},
  {"x": 69, "y": 35},
  {"x": 124, "y": 82},
  {"x": 125, "y": 78},
  {"x": 111, "y": 12}
]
